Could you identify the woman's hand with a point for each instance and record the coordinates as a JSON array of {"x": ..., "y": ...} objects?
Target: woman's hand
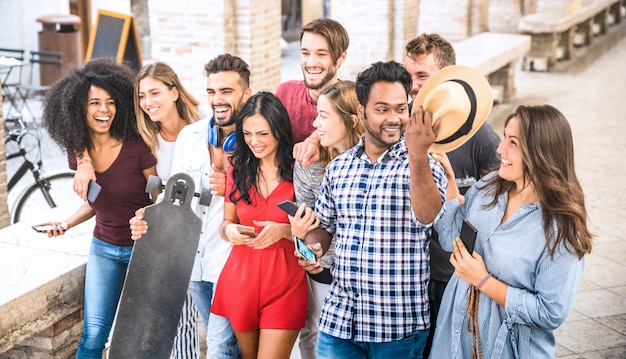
[
  {"x": 138, "y": 227},
  {"x": 453, "y": 190},
  {"x": 469, "y": 267},
  {"x": 304, "y": 221},
  {"x": 232, "y": 234},
  {"x": 55, "y": 228},
  {"x": 84, "y": 173},
  {"x": 312, "y": 267},
  {"x": 272, "y": 232}
]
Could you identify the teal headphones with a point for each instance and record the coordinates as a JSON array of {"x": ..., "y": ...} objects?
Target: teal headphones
[{"x": 228, "y": 144}]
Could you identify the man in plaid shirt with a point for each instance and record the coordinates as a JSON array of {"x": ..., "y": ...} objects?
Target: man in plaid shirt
[{"x": 380, "y": 200}]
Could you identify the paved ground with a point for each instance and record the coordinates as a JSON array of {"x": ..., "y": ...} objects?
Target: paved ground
[{"x": 591, "y": 92}]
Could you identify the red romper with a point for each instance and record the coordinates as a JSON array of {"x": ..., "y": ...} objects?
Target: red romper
[{"x": 262, "y": 288}]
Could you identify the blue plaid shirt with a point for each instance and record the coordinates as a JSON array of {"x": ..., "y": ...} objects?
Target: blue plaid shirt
[{"x": 381, "y": 269}]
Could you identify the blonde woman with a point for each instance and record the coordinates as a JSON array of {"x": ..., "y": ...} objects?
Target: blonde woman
[
  {"x": 162, "y": 107},
  {"x": 339, "y": 129}
]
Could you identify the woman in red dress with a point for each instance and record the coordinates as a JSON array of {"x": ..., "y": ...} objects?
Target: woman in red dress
[{"x": 261, "y": 290}]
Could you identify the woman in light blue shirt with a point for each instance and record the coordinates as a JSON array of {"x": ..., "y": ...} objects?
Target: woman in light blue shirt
[{"x": 506, "y": 299}]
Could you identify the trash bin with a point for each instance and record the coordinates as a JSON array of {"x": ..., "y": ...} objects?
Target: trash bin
[{"x": 60, "y": 33}]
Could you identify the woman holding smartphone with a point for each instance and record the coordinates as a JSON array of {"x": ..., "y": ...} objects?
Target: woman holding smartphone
[
  {"x": 339, "y": 129},
  {"x": 506, "y": 299},
  {"x": 91, "y": 108},
  {"x": 163, "y": 107},
  {"x": 261, "y": 290}
]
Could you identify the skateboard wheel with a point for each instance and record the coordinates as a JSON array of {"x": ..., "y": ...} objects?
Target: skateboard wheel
[
  {"x": 153, "y": 185},
  {"x": 205, "y": 197}
]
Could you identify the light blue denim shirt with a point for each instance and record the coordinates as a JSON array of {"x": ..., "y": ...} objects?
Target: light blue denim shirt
[{"x": 541, "y": 288}]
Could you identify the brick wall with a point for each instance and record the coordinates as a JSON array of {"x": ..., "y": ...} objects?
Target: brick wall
[
  {"x": 455, "y": 19},
  {"x": 446, "y": 17},
  {"x": 5, "y": 219},
  {"x": 187, "y": 34},
  {"x": 378, "y": 30}
]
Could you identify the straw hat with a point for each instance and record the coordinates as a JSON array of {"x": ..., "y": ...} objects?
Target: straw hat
[{"x": 460, "y": 98}]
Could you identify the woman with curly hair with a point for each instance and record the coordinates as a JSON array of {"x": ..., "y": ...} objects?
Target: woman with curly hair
[
  {"x": 261, "y": 290},
  {"x": 506, "y": 299},
  {"x": 163, "y": 107},
  {"x": 92, "y": 108}
]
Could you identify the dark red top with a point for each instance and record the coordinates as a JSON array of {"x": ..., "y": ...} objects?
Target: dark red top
[
  {"x": 123, "y": 192},
  {"x": 301, "y": 108}
]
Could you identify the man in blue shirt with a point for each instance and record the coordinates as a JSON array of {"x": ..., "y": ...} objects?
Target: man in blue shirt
[{"x": 380, "y": 199}]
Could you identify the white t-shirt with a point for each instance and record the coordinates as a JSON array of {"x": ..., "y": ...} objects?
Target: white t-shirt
[{"x": 164, "y": 153}]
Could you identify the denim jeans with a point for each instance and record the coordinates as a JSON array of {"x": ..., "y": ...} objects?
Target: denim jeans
[
  {"x": 104, "y": 278},
  {"x": 221, "y": 341},
  {"x": 411, "y": 347}
]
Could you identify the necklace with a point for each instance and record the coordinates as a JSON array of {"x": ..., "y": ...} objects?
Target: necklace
[{"x": 266, "y": 186}]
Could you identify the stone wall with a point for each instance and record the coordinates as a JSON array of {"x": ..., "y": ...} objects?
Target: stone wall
[{"x": 42, "y": 283}]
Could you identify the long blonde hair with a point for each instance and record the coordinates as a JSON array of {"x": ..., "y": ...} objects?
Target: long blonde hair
[
  {"x": 186, "y": 104},
  {"x": 342, "y": 96}
]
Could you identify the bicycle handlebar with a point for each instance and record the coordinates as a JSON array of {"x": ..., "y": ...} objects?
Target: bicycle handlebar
[{"x": 18, "y": 133}]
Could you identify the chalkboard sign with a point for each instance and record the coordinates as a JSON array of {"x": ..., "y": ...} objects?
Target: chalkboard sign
[{"x": 115, "y": 35}]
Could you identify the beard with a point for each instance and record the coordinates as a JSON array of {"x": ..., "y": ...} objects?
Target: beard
[
  {"x": 228, "y": 121},
  {"x": 376, "y": 134},
  {"x": 332, "y": 71}
]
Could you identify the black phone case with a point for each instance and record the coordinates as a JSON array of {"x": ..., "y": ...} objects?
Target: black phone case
[
  {"x": 468, "y": 236},
  {"x": 289, "y": 207}
]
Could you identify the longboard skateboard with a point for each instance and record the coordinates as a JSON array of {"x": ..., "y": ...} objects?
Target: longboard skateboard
[{"x": 158, "y": 275}]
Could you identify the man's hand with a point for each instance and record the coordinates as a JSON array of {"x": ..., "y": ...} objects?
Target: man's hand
[
  {"x": 420, "y": 131},
  {"x": 312, "y": 267},
  {"x": 306, "y": 152},
  {"x": 217, "y": 181}
]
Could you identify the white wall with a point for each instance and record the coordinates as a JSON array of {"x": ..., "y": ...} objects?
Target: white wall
[
  {"x": 19, "y": 24},
  {"x": 121, "y": 6}
]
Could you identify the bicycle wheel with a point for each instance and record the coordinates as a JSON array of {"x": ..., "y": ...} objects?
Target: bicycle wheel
[{"x": 31, "y": 202}]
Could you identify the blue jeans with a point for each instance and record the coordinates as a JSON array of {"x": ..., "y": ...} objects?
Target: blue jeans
[
  {"x": 220, "y": 337},
  {"x": 104, "y": 278},
  {"x": 329, "y": 347}
]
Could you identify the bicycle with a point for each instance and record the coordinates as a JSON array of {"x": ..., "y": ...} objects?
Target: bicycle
[{"x": 49, "y": 189}]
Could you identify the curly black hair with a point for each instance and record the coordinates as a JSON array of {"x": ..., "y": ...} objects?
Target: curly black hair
[
  {"x": 245, "y": 164},
  {"x": 65, "y": 104}
]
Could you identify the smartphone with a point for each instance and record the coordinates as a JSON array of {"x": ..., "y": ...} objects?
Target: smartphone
[
  {"x": 304, "y": 251},
  {"x": 249, "y": 231},
  {"x": 45, "y": 228},
  {"x": 468, "y": 235},
  {"x": 290, "y": 207},
  {"x": 93, "y": 190}
]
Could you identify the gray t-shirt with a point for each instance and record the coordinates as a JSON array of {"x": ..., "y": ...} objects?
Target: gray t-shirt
[{"x": 306, "y": 182}]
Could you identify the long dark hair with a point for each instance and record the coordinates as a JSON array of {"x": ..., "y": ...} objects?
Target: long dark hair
[
  {"x": 548, "y": 154},
  {"x": 245, "y": 164}
]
